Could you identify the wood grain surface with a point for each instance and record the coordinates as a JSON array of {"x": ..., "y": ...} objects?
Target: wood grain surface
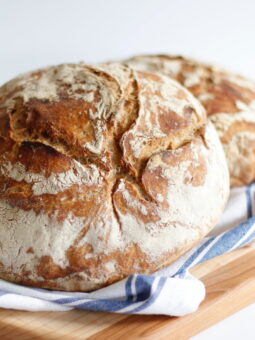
[{"x": 230, "y": 285}]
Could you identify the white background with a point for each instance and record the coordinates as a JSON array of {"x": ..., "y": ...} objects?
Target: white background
[{"x": 36, "y": 33}]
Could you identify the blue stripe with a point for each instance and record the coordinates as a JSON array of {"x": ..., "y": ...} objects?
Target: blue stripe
[
  {"x": 152, "y": 298},
  {"x": 189, "y": 261},
  {"x": 228, "y": 240},
  {"x": 71, "y": 300},
  {"x": 250, "y": 238},
  {"x": 249, "y": 201},
  {"x": 253, "y": 198},
  {"x": 143, "y": 288},
  {"x": 105, "y": 305},
  {"x": 143, "y": 285},
  {"x": 128, "y": 290},
  {"x": 3, "y": 293},
  {"x": 65, "y": 301}
]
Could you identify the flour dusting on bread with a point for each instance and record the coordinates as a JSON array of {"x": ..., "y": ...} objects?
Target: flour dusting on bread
[{"x": 103, "y": 173}]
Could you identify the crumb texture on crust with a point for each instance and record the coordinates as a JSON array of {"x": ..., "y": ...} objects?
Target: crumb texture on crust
[
  {"x": 229, "y": 101},
  {"x": 102, "y": 173}
]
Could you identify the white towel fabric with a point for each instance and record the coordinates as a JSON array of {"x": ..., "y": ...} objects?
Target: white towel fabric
[{"x": 170, "y": 291}]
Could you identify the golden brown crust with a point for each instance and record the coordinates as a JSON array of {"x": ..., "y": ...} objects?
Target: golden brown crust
[
  {"x": 102, "y": 170},
  {"x": 229, "y": 100}
]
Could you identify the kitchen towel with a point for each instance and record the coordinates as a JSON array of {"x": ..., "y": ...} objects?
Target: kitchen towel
[{"x": 170, "y": 291}]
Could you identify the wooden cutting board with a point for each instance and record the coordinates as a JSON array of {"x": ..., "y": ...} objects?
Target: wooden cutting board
[{"x": 230, "y": 285}]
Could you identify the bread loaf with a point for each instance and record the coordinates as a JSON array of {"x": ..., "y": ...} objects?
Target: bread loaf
[
  {"x": 229, "y": 101},
  {"x": 104, "y": 171}
]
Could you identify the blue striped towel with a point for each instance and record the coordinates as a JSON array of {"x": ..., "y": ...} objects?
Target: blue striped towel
[{"x": 171, "y": 291}]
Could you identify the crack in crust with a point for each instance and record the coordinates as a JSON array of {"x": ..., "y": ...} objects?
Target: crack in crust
[{"x": 33, "y": 121}]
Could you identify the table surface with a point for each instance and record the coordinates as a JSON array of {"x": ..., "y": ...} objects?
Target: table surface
[
  {"x": 35, "y": 34},
  {"x": 230, "y": 286}
]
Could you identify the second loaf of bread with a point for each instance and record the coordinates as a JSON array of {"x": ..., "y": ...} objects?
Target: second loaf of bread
[{"x": 229, "y": 100}]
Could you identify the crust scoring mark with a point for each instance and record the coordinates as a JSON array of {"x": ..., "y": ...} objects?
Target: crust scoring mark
[{"x": 127, "y": 100}]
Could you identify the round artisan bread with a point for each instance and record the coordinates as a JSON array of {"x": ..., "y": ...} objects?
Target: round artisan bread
[
  {"x": 104, "y": 172},
  {"x": 229, "y": 101}
]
